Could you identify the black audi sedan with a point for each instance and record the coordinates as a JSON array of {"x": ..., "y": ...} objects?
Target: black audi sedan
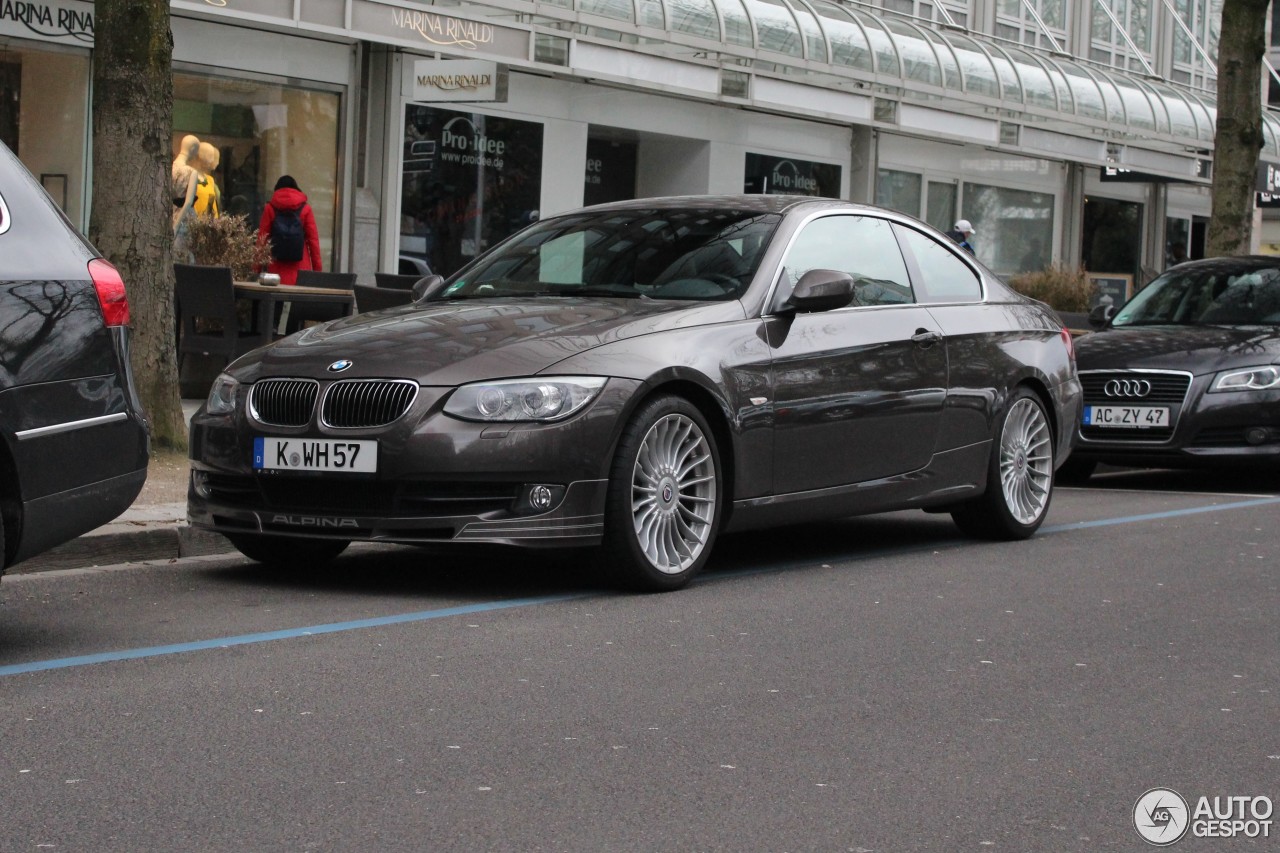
[
  {"x": 640, "y": 377},
  {"x": 73, "y": 438},
  {"x": 1187, "y": 373}
]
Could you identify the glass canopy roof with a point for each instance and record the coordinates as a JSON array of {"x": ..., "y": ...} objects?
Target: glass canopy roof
[{"x": 818, "y": 36}]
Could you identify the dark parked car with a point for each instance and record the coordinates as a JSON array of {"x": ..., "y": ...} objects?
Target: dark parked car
[
  {"x": 1187, "y": 373},
  {"x": 642, "y": 376},
  {"x": 74, "y": 444}
]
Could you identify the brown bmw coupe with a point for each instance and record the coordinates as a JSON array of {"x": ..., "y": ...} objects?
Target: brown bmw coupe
[{"x": 641, "y": 377}]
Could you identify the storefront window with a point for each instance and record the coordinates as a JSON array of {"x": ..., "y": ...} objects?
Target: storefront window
[
  {"x": 899, "y": 191},
  {"x": 789, "y": 176},
  {"x": 469, "y": 181},
  {"x": 264, "y": 130},
  {"x": 1014, "y": 227},
  {"x": 1112, "y": 236},
  {"x": 1177, "y": 240},
  {"x": 44, "y": 97},
  {"x": 942, "y": 205}
]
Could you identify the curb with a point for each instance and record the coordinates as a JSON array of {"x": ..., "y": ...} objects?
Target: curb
[{"x": 117, "y": 543}]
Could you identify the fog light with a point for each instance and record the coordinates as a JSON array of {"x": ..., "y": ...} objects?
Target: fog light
[
  {"x": 1257, "y": 435},
  {"x": 540, "y": 498},
  {"x": 200, "y": 483}
]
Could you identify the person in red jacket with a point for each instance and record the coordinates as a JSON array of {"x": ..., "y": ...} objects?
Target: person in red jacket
[{"x": 290, "y": 227}]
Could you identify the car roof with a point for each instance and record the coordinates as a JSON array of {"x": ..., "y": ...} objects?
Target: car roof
[{"x": 745, "y": 202}]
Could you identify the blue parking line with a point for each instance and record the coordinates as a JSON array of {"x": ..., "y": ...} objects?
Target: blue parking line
[
  {"x": 1154, "y": 516},
  {"x": 427, "y": 615},
  {"x": 269, "y": 636}
]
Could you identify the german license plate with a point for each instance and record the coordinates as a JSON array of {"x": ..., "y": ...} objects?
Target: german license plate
[
  {"x": 314, "y": 454},
  {"x": 1133, "y": 417}
]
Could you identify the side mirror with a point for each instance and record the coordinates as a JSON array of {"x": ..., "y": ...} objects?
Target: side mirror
[
  {"x": 1100, "y": 315},
  {"x": 821, "y": 290},
  {"x": 426, "y": 286}
]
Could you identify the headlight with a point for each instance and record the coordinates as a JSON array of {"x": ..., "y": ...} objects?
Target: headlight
[
  {"x": 222, "y": 396},
  {"x": 1252, "y": 379},
  {"x": 537, "y": 399}
]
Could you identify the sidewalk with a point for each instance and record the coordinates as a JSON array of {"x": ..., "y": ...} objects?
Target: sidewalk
[{"x": 154, "y": 528}]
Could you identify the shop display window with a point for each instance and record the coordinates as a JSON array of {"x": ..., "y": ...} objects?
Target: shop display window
[
  {"x": 790, "y": 176},
  {"x": 1014, "y": 227},
  {"x": 469, "y": 180},
  {"x": 899, "y": 191},
  {"x": 44, "y": 110},
  {"x": 263, "y": 130}
]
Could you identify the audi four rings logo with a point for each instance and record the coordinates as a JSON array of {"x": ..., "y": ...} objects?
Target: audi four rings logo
[{"x": 1127, "y": 388}]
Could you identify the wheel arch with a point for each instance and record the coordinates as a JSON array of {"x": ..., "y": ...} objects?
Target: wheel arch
[
  {"x": 1036, "y": 385},
  {"x": 711, "y": 407}
]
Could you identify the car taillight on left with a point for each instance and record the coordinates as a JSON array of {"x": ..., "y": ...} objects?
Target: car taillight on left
[{"x": 110, "y": 288}]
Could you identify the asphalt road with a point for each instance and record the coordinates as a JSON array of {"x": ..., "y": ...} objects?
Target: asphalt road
[{"x": 878, "y": 684}]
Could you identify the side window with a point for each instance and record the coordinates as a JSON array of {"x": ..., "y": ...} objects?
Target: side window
[
  {"x": 944, "y": 277},
  {"x": 862, "y": 246}
]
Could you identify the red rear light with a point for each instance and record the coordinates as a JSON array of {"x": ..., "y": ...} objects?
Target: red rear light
[
  {"x": 111, "y": 295},
  {"x": 1070, "y": 344}
]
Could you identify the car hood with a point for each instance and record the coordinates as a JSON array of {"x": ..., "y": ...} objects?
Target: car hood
[
  {"x": 449, "y": 343},
  {"x": 1197, "y": 349}
]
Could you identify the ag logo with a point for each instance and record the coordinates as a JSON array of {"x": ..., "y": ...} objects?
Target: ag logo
[{"x": 1161, "y": 816}]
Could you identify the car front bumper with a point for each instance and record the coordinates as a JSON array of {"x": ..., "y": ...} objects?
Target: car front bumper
[
  {"x": 1212, "y": 429},
  {"x": 438, "y": 479}
]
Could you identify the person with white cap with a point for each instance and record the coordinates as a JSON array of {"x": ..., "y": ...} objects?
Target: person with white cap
[{"x": 961, "y": 233}]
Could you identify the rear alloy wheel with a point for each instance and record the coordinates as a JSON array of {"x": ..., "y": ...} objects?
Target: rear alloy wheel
[
  {"x": 663, "y": 505},
  {"x": 1019, "y": 475},
  {"x": 279, "y": 552}
]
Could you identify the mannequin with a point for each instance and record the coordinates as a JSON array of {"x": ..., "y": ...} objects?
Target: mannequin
[
  {"x": 182, "y": 190},
  {"x": 206, "y": 200},
  {"x": 183, "y": 166}
]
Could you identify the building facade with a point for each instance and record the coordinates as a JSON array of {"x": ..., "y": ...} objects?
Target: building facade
[{"x": 1067, "y": 131}]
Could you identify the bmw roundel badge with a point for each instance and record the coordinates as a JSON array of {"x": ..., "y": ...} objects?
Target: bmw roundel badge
[{"x": 340, "y": 365}]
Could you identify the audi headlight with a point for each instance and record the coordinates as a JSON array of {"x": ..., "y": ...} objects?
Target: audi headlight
[
  {"x": 222, "y": 396},
  {"x": 550, "y": 398},
  {"x": 1251, "y": 379}
]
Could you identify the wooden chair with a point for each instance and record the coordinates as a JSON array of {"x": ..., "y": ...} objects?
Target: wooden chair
[
  {"x": 207, "y": 318},
  {"x": 395, "y": 282},
  {"x": 336, "y": 280},
  {"x": 370, "y": 298}
]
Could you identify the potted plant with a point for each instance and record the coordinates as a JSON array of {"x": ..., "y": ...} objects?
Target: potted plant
[{"x": 227, "y": 241}]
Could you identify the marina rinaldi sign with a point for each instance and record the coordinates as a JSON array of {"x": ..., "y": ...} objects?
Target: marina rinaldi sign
[
  {"x": 437, "y": 80},
  {"x": 66, "y": 21}
]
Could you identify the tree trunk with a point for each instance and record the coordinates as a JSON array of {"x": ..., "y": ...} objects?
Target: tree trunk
[
  {"x": 130, "y": 219},
  {"x": 1238, "y": 135}
]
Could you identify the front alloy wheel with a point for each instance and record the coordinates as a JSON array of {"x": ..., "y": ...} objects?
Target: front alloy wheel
[{"x": 664, "y": 497}]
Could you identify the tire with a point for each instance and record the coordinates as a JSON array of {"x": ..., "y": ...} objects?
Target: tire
[
  {"x": 663, "y": 504},
  {"x": 1075, "y": 472},
  {"x": 1019, "y": 475},
  {"x": 286, "y": 553}
]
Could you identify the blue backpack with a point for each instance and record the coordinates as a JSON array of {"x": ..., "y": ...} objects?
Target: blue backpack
[{"x": 286, "y": 235}]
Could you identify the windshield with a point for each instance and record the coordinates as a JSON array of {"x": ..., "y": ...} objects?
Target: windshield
[
  {"x": 1206, "y": 296},
  {"x": 701, "y": 255}
]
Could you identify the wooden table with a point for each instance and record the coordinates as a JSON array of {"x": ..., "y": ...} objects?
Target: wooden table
[{"x": 267, "y": 296}]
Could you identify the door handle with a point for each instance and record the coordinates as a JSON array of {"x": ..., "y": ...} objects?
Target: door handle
[{"x": 926, "y": 337}]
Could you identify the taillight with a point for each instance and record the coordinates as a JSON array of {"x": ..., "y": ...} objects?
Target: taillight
[
  {"x": 111, "y": 296},
  {"x": 1070, "y": 344}
]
